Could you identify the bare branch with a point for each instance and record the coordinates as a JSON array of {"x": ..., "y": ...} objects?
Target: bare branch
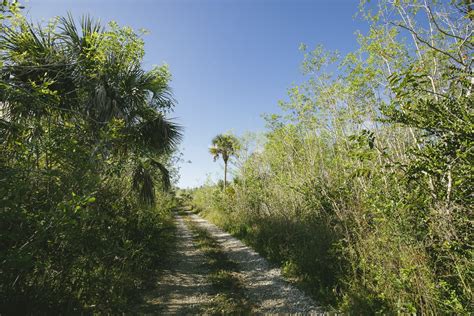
[
  {"x": 432, "y": 18},
  {"x": 428, "y": 44}
]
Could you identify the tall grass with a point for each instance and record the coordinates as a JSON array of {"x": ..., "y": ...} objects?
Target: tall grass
[{"x": 361, "y": 191}]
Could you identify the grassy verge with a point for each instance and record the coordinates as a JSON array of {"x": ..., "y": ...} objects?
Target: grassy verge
[
  {"x": 229, "y": 292},
  {"x": 294, "y": 253},
  {"x": 148, "y": 289}
]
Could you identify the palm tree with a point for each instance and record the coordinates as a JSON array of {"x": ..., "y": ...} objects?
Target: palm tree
[
  {"x": 224, "y": 146},
  {"x": 95, "y": 81}
]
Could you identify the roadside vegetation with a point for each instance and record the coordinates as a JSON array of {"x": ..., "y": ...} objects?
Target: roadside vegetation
[
  {"x": 85, "y": 164},
  {"x": 362, "y": 189}
]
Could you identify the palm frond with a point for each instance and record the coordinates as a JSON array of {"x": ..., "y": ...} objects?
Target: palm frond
[
  {"x": 77, "y": 40},
  {"x": 142, "y": 182},
  {"x": 158, "y": 134},
  {"x": 165, "y": 175},
  {"x": 215, "y": 152},
  {"x": 156, "y": 82},
  {"x": 34, "y": 57}
]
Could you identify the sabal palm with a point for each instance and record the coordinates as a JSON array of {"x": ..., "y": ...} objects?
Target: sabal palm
[
  {"x": 224, "y": 146},
  {"x": 95, "y": 83}
]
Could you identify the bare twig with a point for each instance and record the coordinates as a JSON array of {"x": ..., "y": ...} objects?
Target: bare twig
[{"x": 422, "y": 40}]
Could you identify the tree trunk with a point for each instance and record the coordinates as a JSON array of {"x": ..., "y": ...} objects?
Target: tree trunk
[{"x": 225, "y": 174}]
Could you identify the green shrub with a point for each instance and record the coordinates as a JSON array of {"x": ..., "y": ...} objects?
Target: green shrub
[{"x": 82, "y": 162}]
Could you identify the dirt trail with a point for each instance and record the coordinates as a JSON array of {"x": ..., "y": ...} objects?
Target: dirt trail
[{"x": 183, "y": 288}]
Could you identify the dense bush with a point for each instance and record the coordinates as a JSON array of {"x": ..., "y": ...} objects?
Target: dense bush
[
  {"x": 85, "y": 154},
  {"x": 89, "y": 252},
  {"x": 363, "y": 191}
]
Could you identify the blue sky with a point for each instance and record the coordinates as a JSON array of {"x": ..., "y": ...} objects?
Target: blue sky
[{"x": 231, "y": 60}]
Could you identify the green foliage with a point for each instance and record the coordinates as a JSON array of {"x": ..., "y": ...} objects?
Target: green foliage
[
  {"x": 363, "y": 189},
  {"x": 9, "y": 9},
  {"x": 86, "y": 149}
]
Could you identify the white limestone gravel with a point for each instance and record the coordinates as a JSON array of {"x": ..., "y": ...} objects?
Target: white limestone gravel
[
  {"x": 265, "y": 286},
  {"x": 182, "y": 288}
]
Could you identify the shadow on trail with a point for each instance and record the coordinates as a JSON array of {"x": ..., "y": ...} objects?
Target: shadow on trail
[{"x": 182, "y": 287}]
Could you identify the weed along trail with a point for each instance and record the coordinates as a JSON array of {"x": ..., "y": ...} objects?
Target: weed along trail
[{"x": 212, "y": 272}]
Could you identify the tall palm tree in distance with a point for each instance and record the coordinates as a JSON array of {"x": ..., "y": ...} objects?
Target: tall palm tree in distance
[{"x": 224, "y": 146}]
